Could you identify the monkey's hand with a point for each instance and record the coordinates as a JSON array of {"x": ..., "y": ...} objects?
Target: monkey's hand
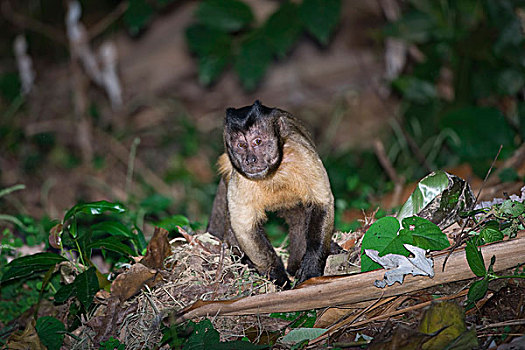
[{"x": 311, "y": 266}]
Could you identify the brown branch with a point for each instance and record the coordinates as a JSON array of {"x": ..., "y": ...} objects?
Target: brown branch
[
  {"x": 33, "y": 25},
  {"x": 101, "y": 26},
  {"x": 390, "y": 170},
  {"x": 357, "y": 288}
]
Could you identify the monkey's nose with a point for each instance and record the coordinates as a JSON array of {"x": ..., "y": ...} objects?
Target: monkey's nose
[{"x": 251, "y": 159}]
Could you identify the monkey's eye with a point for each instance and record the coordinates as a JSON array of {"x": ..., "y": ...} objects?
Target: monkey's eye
[
  {"x": 257, "y": 142},
  {"x": 242, "y": 145}
]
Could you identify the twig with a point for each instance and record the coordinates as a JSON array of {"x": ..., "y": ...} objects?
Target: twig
[
  {"x": 31, "y": 24},
  {"x": 463, "y": 235},
  {"x": 391, "y": 314},
  {"x": 131, "y": 164},
  {"x": 379, "y": 149},
  {"x": 101, "y": 26}
]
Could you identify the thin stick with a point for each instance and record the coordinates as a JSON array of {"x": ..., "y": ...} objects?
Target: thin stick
[
  {"x": 390, "y": 314},
  {"x": 31, "y": 24},
  {"x": 462, "y": 234}
]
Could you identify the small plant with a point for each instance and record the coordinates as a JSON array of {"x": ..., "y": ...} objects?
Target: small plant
[
  {"x": 99, "y": 226},
  {"x": 479, "y": 288}
]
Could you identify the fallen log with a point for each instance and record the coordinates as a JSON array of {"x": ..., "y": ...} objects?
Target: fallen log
[{"x": 358, "y": 288}]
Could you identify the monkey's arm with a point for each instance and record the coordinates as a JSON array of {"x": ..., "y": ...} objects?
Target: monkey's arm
[
  {"x": 319, "y": 221},
  {"x": 217, "y": 225}
]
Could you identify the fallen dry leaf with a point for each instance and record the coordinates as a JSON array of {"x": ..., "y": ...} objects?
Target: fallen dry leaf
[
  {"x": 26, "y": 339},
  {"x": 158, "y": 249},
  {"x": 129, "y": 283}
]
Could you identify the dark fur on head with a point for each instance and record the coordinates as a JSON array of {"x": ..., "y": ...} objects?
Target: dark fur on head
[{"x": 241, "y": 119}]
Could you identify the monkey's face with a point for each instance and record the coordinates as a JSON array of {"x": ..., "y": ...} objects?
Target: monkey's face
[{"x": 255, "y": 153}]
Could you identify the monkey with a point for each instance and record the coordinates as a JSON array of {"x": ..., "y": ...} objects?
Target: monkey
[{"x": 270, "y": 164}]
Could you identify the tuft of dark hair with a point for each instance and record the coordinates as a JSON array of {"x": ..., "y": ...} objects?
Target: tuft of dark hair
[{"x": 241, "y": 119}]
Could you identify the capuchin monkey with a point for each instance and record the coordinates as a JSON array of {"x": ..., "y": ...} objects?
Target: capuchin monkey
[{"x": 271, "y": 165}]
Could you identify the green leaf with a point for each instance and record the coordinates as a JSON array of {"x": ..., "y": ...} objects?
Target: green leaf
[
  {"x": 282, "y": 28},
  {"x": 512, "y": 208},
  {"x": 51, "y": 332},
  {"x": 253, "y": 59},
  {"x": 112, "y": 243},
  {"x": 204, "y": 336},
  {"x": 84, "y": 288},
  {"x": 477, "y": 290},
  {"x": 95, "y": 208},
  {"x": 480, "y": 132},
  {"x": 414, "y": 89},
  {"x": 382, "y": 236},
  {"x": 489, "y": 234},
  {"x": 298, "y": 335},
  {"x": 29, "y": 265},
  {"x": 227, "y": 15},
  {"x": 427, "y": 189},
  {"x": 113, "y": 228},
  {"x": 171, "y": 223},
  {"x": 137, "y": 15},
  {"x": 213, "y": 47},
  {"x": 475, "y": 259},
  {"x": 320, "y": 17},
  {"x": 424, "y": 233}
]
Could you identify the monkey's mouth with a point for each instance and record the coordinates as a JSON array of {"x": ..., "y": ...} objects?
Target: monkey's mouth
[{"x": 256, "y": 173}]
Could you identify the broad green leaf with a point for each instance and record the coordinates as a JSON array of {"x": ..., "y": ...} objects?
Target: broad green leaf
[
  {"x": 477, "y": 290},
  {"x": 382, "y": 236},
  {"x": 489, "y": 234},
  {"x": 113, "y": 228},
  {"x": 424, "y": 234},
  {"x": 480, "y": 132},
  {"x": 320, "y": 17},
  {"x": 203, "y": 41},
  {"x": 283, "y": 27},
  {"x": 64, "y": 293},
  {"x": 171, "y": 223},
  {"x": 427, "y": 189},
  {"x": 227, "y": 15},
  {"x": 137, "y": 15},
  {"x": 512, "y": 208},
  {"x": 84, "y": 288},
  {"x": 29, "y": 265},
  {"x": 51, "y": 332},
  {"x": 204, "y": 336},
  {"x": 475, "y": 259},
  {"x": 414, "y": 89},
  {"x": 253, "y": 59},
  {"x": 211, "y": 67},
  {"x": 213, "y": 46},
  {"x": 95, "y": 208},
  {"x": 112, "y": 243},
  {"x": 298, "y": 335}
]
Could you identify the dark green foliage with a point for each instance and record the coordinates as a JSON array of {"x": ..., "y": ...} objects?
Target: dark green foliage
[
  {"x": 202, "y": 335},
  {"x": 30, "y": 265},
  {"x": 51, "y": 332},
  {"x": 138, "y": 15},
  {"x": 320, "y": 17},
  {"x": 479, "y": 46},
  {"x": 224, "y": 33},
  {"x": 84, "y": 288},
  {"x": 225, "y": 15}
]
